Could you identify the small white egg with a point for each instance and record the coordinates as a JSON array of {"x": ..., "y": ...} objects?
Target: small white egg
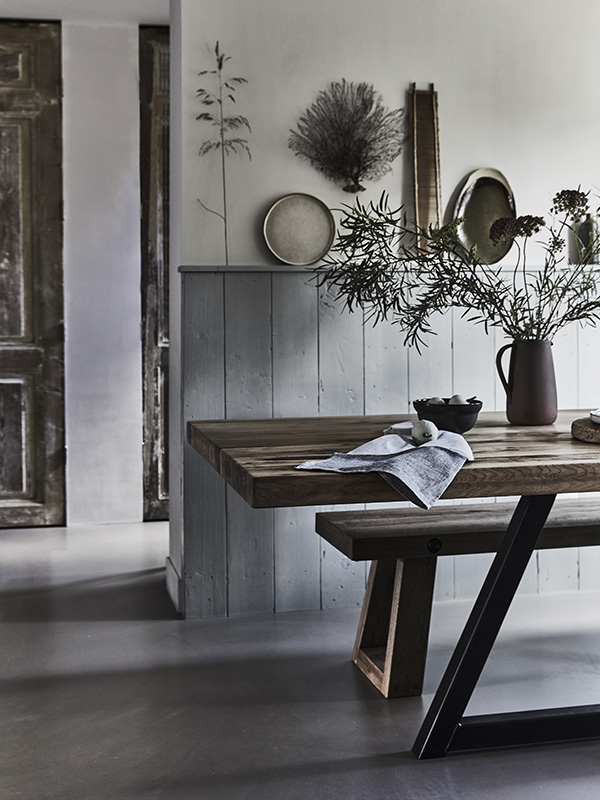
[
  {"x": 436, "y": 401},
  {"x": 458, "y": 400},
  {"x": 424, "y": 431}
]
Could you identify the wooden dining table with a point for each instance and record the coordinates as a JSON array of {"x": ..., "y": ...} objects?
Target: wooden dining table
[{"x": 258, "y": 458}]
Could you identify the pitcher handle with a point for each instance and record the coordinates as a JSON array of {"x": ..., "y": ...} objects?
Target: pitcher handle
[{"x": 507, "y": 387}]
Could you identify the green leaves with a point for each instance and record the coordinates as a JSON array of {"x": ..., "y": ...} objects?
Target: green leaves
[
  {"x": 225, "y": 92},
  {"x": 391, "y": 269},
  {"x": 226, "y": 124}
]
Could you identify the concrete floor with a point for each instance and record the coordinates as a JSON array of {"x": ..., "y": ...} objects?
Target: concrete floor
[{"x": 107, "y": 694}]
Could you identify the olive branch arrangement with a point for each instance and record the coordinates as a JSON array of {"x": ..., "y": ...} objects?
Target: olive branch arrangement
[
  {"x": 226, "y": 124},
  {"x": 382, "y": 264}
]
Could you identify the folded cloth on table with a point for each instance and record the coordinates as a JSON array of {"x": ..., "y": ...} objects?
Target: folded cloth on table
[{"x": 420, "y": 473}]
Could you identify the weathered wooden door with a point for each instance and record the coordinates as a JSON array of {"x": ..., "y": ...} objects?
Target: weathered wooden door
[
  {"x": 32, "y": 453},
  {"x": 154, "y": 163}
]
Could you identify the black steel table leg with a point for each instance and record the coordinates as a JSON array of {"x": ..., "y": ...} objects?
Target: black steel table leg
[{"x": 444, "y": 717}]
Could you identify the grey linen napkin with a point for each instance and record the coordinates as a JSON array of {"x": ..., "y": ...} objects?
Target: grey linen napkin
[{"x": 420, "y": 473}]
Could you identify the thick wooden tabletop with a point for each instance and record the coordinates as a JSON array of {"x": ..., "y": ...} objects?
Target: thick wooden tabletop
[{"x": 258, "y": 459}]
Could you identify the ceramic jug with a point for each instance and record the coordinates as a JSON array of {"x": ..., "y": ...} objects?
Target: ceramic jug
[{"x": 531, "y": 385}]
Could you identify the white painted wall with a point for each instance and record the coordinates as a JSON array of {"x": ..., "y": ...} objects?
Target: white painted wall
[
  {"x": 516, "y": 81},
  {"x": 517, "y": 91},
  {"x": 102, "y": 273},
  {"x": 101, "y": 249}
]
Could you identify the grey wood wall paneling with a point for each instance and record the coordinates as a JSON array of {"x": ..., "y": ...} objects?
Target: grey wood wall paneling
[
  {"x": 341, "y": 391},
  {"x": 558, "y": 570},
  {"x": 430, "y": 373},
  {"x": 588, "y": 341},
  {"x": 473, "y": 373},
  {"x": 386, "y": 379},
  {"x": 248, "y": 394},
  {"x": 295, "y": 393},
  {"x": 529, "y": 582},
  {"x": 386, "y": 370},
  {"x": 203, "y": 564}
]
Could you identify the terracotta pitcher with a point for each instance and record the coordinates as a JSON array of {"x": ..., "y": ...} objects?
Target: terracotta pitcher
[{"x": 531, "y": 385}]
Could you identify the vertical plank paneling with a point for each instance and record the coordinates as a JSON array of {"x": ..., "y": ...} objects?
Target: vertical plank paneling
[
  {"x": 559, "y": 569},
  {"x": 386, "y": 370},
  {"x": 530, "y": 580},
  {"x": 589, "y": 398},
  {"x": 559, "y": 573},
  {"x": 250, "y": 557},
  {"x": 248, "y": 363},
  {"x": 297, "y": 560},
  {"x": 260, "y": 344},
  {"x": 341, "y": 391},
  {"x": 473, "y": 373},
  {"x": 295, "y": 393},
  {"x": 386, "y": 377},
  {"x": 203, "y": 566},
  {"x": 469, "y": 574},
  {"x": 589, "y": 374},
  {"x": 473, "y": 361},
  {"x": 564, "y": 351},
  {"x": 295, "y": 346},
  {"x": 430, "y": 372},
  {"x": 444, "y": 578},
  {"x": 248, "y": 394},
  {"x": 341, "y": 358}
]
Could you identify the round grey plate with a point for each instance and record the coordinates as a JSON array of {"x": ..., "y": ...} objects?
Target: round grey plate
[
  {"x": 299, "y": 229},
  {"x": 485, "y": 197}
]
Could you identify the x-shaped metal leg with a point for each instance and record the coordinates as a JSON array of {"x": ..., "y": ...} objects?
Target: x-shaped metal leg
[{"x": 445, "y": 729}]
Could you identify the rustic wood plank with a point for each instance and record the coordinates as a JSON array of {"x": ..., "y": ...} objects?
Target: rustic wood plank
[
  {"x": 295, "y": 346},
  {"x": 15, "y": 439},
  {"x": 406, "y": 651},
  {"x": 509, "y": 460},
  {"x": 558, "y": 570},
  {"x": 154, "y": 190},
  {"x": 248, "y": 393},
  {"x": 564, "y": 354},
  {"x": 374, "y": 622},
  {"x": 343, "y": 580},
  {"x": 201, "y": 557},
  {"x": 588, "y": 374},
  {"x": 295, "y": 391},
  {"x": 341, "y": 391},
  {"x": 248, "y": 346},
  {"x": 430, "y": 372},
  {"x": 458, "y": 530},
  {"x": 341, "y": 358},
  {"x": 31, "y": 280},
  {"x": 297, "y": 556},
  {"x": 393, "y": 631},
  {"x": 386, "y": 370}
]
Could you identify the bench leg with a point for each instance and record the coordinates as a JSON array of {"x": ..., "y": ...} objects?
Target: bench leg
[{"x": 393, "y": 631}]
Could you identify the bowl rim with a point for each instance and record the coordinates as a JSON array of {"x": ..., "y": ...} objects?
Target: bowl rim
[{"x": 472, "y": 406}]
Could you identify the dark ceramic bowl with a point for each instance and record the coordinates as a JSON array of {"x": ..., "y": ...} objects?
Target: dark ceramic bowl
[{"x": 459, "y": 418}]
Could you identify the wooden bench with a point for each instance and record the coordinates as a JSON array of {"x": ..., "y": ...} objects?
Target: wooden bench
[{"x": 403, "y": 544}]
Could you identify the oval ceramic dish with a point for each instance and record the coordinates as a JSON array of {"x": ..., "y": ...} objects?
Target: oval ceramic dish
[
  {"x": 485, "y": 197},
  {"x": 299, "y": 229}
]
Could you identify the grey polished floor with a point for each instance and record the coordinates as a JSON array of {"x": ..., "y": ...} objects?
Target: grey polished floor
[{"x": 106, "y": 694}]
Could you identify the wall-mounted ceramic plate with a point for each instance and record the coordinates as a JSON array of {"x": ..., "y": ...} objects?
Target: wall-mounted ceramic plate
[
  {"x": 485, "y": 197},
  {"x": 299, "y": 229}
]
